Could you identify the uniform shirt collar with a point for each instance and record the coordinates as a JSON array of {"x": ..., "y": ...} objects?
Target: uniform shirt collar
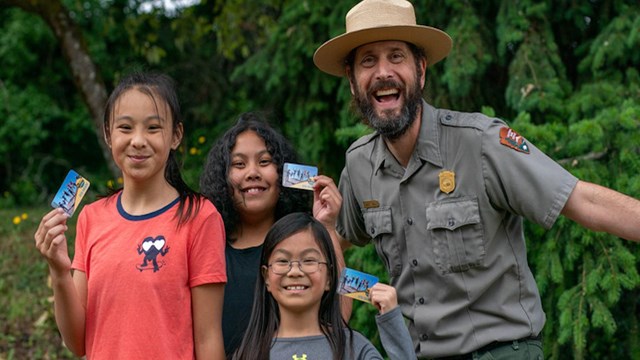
[{"x": 427, "y": 147}]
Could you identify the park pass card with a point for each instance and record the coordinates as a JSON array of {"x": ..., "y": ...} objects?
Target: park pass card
[
  {"x": 70, "y": 193},
  {"x": 298, "y": 176},
  {"x": 356, "y": 284}
]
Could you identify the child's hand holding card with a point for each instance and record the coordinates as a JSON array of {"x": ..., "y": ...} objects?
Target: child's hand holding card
[
  {"x": 70, "y": 193},
  {"x": 356, "y": 284},
  {"x": 298, "y": 176}
]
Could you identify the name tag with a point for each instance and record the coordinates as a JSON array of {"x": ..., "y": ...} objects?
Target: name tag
[{"x": 371, "y": 204}]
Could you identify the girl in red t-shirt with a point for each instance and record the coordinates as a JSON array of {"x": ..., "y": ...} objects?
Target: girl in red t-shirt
[{"x": 149, "y": 267}]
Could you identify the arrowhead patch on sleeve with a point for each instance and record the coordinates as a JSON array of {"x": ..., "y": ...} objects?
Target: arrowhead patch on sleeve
[{"x": 513, "y": 140}]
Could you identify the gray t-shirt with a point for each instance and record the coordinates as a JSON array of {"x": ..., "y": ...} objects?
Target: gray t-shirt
[
  {"x": 449, "y": 227},
  {"x": 393, "y": 335}
]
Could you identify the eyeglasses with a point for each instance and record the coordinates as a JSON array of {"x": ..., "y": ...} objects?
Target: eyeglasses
[{"x": 307, "y": 266}]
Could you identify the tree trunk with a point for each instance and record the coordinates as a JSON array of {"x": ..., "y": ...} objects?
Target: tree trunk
[{"x": 85, "y": 74}]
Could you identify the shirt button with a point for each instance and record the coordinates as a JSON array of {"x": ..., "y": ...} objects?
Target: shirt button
[
  {"x": 424, "y": 337},
  {"x": 415, "y": 262},
  {"x": 421, "y": 300},
  {"x": 451, "y": 222},
  {"x": 410, "y": 221},
  {"x": 373, "y": 231}
]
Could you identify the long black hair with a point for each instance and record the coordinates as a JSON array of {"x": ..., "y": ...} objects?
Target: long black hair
[
  {"x": 214, "y": 181},
  {"x": 265, "y": 316},
  {"x": 160, "y": 88}
]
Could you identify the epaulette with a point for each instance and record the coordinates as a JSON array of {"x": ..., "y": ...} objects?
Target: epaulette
[{"x": 470, "y": 120}]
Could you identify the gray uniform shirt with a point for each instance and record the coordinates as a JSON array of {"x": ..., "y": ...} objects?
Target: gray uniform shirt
[
  {"x": 454, "y": 244},
  {"x": 394, "y": 337}
]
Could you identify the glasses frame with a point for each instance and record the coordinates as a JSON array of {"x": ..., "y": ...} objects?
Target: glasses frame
[{"x": 299, "y": 266}]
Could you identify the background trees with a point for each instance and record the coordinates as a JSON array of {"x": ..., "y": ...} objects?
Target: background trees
[{"x": 563, "y": 73}]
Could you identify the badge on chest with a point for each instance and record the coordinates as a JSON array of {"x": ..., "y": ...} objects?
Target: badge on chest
[{"x": 447, "y": 181}]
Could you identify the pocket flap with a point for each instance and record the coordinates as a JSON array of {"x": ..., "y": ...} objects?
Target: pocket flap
[
  {"x": 378, "y": 221},
  {"x": 452, "y": 214}
]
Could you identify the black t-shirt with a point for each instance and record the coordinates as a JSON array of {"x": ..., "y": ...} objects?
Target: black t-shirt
[{"x": 243, "y": 267}]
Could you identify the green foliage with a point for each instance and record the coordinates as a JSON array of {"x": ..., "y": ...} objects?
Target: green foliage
[
  {"x": 239, "y": 21},
  {"x": 536, "y": 81},
  {"x": 615, "y": 46},
  {"x": 512, "y": 24},
  {"x": 34, "y": 114},
  {"x": 470, "y": 57},
  {"x": 588, "y": 303},
  {"x": 564, "y": 74}
]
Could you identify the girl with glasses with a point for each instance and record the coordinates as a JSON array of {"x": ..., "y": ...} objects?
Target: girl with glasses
[{"x": 296, "y": 309}]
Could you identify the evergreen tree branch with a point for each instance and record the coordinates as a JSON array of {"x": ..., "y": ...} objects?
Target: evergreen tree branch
[{"x": 573, "y": 161}]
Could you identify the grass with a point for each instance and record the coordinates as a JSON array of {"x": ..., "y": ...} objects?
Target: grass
[{"x": 27, "y": 325}]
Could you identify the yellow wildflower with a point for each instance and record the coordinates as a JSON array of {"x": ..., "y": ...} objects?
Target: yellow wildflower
[{"x": 16, "y": 220}]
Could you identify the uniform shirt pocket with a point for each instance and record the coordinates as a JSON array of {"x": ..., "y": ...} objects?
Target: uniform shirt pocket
[
  {"x": 455, "y": 228},
  {"x": 378, "y": 221},
  {"x": 379, "y": 226}
]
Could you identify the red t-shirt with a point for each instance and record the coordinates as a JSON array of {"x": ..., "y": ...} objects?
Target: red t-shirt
[{"x": 140, "y": 271}]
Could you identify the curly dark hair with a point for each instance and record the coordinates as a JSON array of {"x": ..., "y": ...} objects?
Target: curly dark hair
[{"x": 214, "y": 181}]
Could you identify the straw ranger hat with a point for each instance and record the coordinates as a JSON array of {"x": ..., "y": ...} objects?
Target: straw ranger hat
[{"x": 377, "y": 20}]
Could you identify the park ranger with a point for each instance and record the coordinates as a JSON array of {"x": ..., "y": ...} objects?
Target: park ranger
[{"x": 442, "y": 194}]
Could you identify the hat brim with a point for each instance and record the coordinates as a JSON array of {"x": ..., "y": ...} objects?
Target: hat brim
[{"x": 330, "y": 56}]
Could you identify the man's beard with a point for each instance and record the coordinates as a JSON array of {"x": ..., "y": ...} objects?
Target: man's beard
[{"x": 387, "y": 124}]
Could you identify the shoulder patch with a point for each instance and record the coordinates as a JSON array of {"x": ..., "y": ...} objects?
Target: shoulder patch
[{"x": 513, "y": 140}]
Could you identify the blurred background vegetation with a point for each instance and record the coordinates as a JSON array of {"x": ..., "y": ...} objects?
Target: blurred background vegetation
[{"x": 563, "y": 73}]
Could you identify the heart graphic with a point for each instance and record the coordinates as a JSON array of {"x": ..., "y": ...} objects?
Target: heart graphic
[
  {"x": 159, "y": 244},
  {"x": 147, "y": 245}
]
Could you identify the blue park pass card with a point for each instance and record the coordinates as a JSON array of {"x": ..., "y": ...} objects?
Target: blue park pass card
[
  {"x": 298, "y": 176},
  {"x": 356, "y": 284},
  {"x": 70, "y": 193}
]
